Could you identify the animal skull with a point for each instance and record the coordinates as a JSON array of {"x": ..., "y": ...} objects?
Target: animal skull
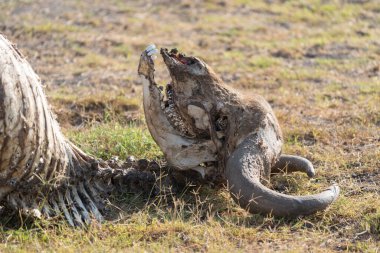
[
  {"x": 202, "y": 125},
  {"x": 169, "y": 129}
]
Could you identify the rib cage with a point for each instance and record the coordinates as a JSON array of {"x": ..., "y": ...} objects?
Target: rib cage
[
  {"x": 33, "y": 148},
  {"x": 41, "y": 172}
]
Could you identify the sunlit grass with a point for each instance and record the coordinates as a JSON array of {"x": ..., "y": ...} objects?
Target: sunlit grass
[{"x": 107, "y": 140}]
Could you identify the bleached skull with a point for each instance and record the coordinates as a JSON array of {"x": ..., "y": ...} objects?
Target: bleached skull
[{"x": 180, "y": 141}]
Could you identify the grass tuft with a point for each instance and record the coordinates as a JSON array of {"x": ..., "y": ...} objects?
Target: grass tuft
[{"x": 107, "y": 140}]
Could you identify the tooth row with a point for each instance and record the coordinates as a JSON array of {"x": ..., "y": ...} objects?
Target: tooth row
[{"x": 173, "y": 116}]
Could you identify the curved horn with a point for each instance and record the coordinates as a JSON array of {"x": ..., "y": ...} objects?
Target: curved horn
[
  {"x": 292, "y": 163},
  {"x": 242, "y": 172}
]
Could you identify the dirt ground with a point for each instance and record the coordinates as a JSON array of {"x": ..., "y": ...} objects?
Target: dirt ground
[{"x": 316, "y": 62}]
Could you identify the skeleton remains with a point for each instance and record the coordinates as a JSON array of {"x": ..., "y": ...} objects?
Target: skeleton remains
[
  {"x": 203, "y": 125},
  {"x": 41, "y": 172}
]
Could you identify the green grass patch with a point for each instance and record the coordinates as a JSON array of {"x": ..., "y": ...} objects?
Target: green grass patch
[{"x": 112, "y": 139}]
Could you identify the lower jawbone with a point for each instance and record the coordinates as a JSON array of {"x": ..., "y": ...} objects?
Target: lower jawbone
[{"x": 182, "y": 148}]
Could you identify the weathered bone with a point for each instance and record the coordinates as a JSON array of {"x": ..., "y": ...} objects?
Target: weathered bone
[
  {"x": 90, "y": 203},
  {"x": 243, "y": 134},
  {"x": 71, "y": 206},
  {"x": 181, "y": 152},
  {"x": 83, "y": 210},
  {"x": 40, "y": 170},
  {"x": 62, "y": 206},
  {"x": 57, "y": 211}
]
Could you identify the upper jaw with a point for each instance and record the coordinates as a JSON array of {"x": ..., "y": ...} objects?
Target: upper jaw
[
  {"x": 146, "y": 65},
  {"x": 175, "y": 61},
  {"x": 169, "y": 61},
  {"x": 174, "y": 58}
]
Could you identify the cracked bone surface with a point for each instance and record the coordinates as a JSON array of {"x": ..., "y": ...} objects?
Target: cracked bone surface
[
  {"x": 239, "y": 136},
  {"x": 180, "y": 151},
  {"x": 41, "y": 172}
]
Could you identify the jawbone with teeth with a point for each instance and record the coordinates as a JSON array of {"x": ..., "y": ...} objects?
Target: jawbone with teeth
[
  {"x": 201, "y": 124},
  {"x": 167, "y": 127}
]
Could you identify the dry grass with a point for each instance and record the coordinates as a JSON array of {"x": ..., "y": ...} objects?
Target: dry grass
[{"x": 316, "y": 62}]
